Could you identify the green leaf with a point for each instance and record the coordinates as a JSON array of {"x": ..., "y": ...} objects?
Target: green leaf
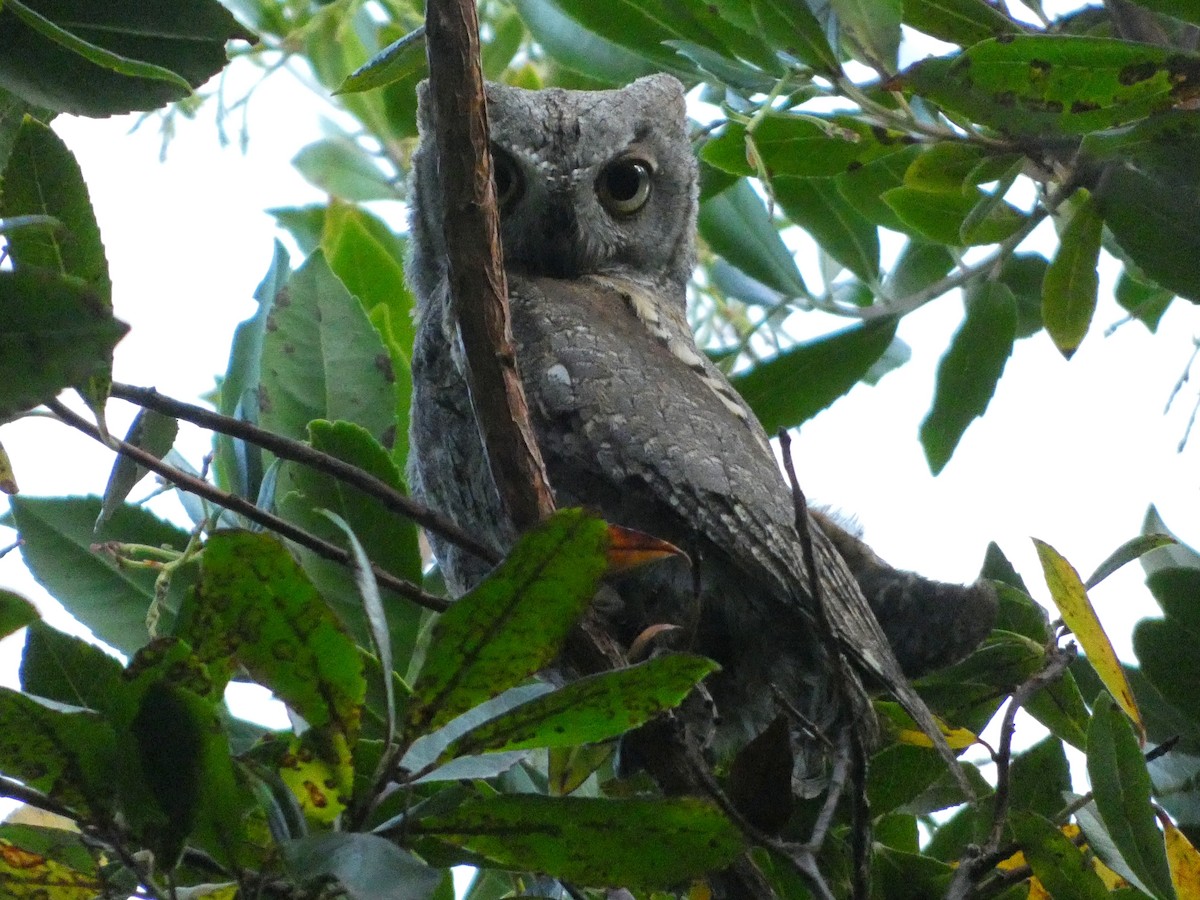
[
  {"x": 1129, "y": 551},
  {"x": 863, "y": 186},
  {"x": 254, "y": 604},
  {"x": 92, "y": 53},
  {"x": 369, "y": 260},
  {"x": 1058, "y": 864},
  {"x": 1150, "y": 211},
  {"x": 719, "y": 69},
  {"x": 43, "y": 178},
  {"x": 592, "y": 709},
  {"x": 1185, "y": 10},
  {"x": 963, "y": 22},
  {"x": 1024, "y": 273},
  {"x": 790, "y": 26},
  {"x": 919, "y": 265},
  {"x": 816, "y": 206},
  {"x": 513, "y": 623},
  {"x": 1060, "y": 707},
  {"x": 67, "y": 753},
  {"x": 1071, "y": 284},
  {"x": 397, "y": 61},
  {"x": 240, "y": 464},
  {"x": 1038, "y": 778},
  {"x": 1055, "y": 84},
  {"x": 899, "y": 774},
  {"x": 1179, "y": 555},
  {"x": 54, "y": 334},
  {"x": 56, "y": 543},
  {"x": 638, "y": 27},
  {"x": 15, "y": 613},
  {"x": 1122, "y": 789},
  {"x": 1149, "y": 178},
  {"x": 365, "y": 865},
  {"x": 185, "y": 762},
  {"x": 381, "y": 641},
  {"x": 68, "y": 669},
  {"x": 343, "y": 169},
  {"x": 951, "y": 217},
  {"x": 1144, "y": 301},
  {"x": 1176, "y": 590},
  {"x": 794, "y": 386},
  {"x": 970, "y": 370},
  {"x": 103, "y": 59},
  {"x": 736, "y": 225},
  {"x": 872, "y": 29},
  {"x": 498, "y": 53},
  {"x": 896, "y": 874},
  {"x": 587, "y": 841},
  {"x": 803, "y": 146},
  {"x": 390, "y": 541},
  {"x": 592, "y": 51},
  {"x": 151, "y": 431},
  {"x": 1167, "y": 652},
  {"x": 322, "y": 359}
]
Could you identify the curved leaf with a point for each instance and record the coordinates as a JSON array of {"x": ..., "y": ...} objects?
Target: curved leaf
[
  {"x": 970, "y": 370},
  {"x": 1070, "y": 596},
  {"x": 1121, "y": 787},
  {"x": 794, "y": 386},
  {"x": 513, "y": 623}
]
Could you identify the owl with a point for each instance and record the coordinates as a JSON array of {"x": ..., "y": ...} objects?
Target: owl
[{"x": 597, "y": 193}]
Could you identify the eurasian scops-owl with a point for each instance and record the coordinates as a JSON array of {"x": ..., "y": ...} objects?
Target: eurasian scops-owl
[{"x": 598, "y": 197}]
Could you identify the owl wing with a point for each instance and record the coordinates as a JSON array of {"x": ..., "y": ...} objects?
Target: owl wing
[{"x": 649, "y": 431}]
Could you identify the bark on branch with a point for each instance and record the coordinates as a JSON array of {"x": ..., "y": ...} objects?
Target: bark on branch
[{"x": 478, "y": 287}]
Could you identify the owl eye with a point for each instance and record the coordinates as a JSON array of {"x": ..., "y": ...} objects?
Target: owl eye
[
  {"x": 510, "y": 185},
  {"x": 624, "y": 186}
]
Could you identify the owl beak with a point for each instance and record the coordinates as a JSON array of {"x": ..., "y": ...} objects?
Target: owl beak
[{"x": 560, "y": 240}]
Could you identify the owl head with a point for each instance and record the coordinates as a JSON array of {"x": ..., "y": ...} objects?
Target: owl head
[{"x": 588, "y": 182}]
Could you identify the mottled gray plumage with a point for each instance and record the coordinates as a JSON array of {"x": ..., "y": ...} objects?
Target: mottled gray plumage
[{"x": 635, "y": 422}]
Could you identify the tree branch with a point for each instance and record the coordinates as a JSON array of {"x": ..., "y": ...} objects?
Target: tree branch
[
  {"x": 478, "y": 288},
  {"x": 286, "y": 448},
  {"x": 245, "y": 508}
]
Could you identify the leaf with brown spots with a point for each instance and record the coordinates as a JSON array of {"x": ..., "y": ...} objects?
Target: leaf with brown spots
[
  {"x": 255, "y": 604},
  {"x": 1055, "y": 84},
  {"x": 25, "y": 875},
  {"x": 513, "y": 623},
  {"x": 589, "y": 710},
  {"x": 591, "y": 841},
  {"x": 66, "y": 754}
]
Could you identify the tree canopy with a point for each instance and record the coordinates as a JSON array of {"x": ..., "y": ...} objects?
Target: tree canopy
[{"x": 424, "y": 739}]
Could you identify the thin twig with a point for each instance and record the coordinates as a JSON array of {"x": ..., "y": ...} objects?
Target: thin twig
[
  {"x": 843, "y": 680},
  {"x": 976, "y": 860},
  {"x": 286, "y": 448},
  {"x": 35, "y": 798},
  {"x": 247, "y": 509}
]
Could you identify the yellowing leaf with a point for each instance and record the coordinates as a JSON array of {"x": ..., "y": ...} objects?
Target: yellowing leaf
[
  {"x": 8, "y": 481},
  {"x": 957, "y": 738},
  {"x": 1183, "y": 860},
  {"x": 315, "y": 782},
  {"x": 1070, "y": 596},
  {"x": 30, "y": 875},
  {"x": 905, "y": 730}
]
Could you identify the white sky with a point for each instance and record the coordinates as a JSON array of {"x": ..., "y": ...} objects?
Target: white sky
[{"x": 1070, "y": 452}]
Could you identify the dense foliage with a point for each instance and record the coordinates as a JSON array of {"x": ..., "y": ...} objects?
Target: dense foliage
[{"x": 423, "y": 739}]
